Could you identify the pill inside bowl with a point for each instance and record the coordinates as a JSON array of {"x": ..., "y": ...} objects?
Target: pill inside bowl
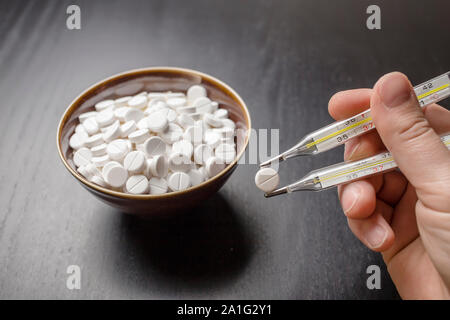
[{"x": 153, "y": 142}]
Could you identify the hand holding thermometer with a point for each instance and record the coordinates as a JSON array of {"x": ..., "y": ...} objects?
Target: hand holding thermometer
[
  {"x": 344, "y": 172},
  {"x": 338, "y": 133}
]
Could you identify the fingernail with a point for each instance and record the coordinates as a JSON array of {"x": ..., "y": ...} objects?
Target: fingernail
[
  {"x": 351, "y": 147},
  {"x": 375, "y": 236},
  {"x": 350, "y": 196},
  {"x": 395, "y": 90}
]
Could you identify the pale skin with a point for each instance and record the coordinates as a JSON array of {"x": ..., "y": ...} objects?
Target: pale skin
[{"x": 404, "y": 215}]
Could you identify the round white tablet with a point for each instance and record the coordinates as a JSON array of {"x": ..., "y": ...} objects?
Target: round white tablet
[
  {"x": 267, "y": 179},
  {"x": 158, "y": 185},
  {"x": 139, "y": 136},
  {"x": 117, "y": 149},
  {"x": 228, "y": 123},
  {"x": 116, "y": 176},
  {"x": 94, "y": 140},
  {"x": 186, "y": 110},
  {"x": 172, "y": 133},
  {"x": 139, "y": 101},
  {"x": 84, "y": 172},
  {"x": 185, "y": 120},
  {"x": 221, "y": 113},
  {"x": 225, "y": 153},
  {"x": 90, "y": 125},
  {"x": 194, "y": 134},
  {"x": 202, "y": 153},
  {"x": 196, "y": 176},
  {"x": 179, "y": 162},
  {"x": 179, "y": 181},
  {"x": 100, "y": 161},
  {"x": 99, "y": 181},
  {"x": 119, "y": 113},
  {"x": 212, "y": 121},
  {"x": 184, "y": 147},
  {"x": 82, "y": 157},
  {"x": 154, "y": 146},
  {"x": 113, "y": 132},
  {"x": 176, "y": 102},
  {"x": 212, "y": 138},
  {"x": 105, "y": 118},
  {"x": 127, "y": 128},
  {"x": 214, "y": 166},
  {"x": 99, "y": 150},
  {"x": 137, "y": 184},
  {"x": 195, "y": 92},
  {"x": 157, "y": 121},
  {"x": 77, "y": 140},
  {"x": 92, "y": 170},
  {"x": 134, "y": 162},
  {"x": 133, "y": 114},
  {"x": 201, "y": 102},
  {"x": 84, "y": 116},
  {"x": 103, "y": 105},
  {"x": 122, "y": 102},
  {"x": 108, "y": 166},
  {"x": 159, "y": 166}
]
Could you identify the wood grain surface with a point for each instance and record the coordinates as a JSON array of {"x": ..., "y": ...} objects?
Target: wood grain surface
[{"x": 285, "y": 58}]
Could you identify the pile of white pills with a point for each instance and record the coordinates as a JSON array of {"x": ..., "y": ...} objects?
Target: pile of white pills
[{"x": 155, "y": 142}]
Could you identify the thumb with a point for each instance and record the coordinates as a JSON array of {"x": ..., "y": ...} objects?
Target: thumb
[{"x": 415, "y": 146}]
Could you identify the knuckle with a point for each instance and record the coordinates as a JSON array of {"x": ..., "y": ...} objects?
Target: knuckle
[{"x": 414, "y": 129}]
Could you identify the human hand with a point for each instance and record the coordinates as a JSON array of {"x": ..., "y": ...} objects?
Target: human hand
[{"x": 406, "y": 215}]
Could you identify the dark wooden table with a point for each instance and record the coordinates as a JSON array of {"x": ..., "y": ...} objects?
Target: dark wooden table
[{"x": 285, "y": 58}]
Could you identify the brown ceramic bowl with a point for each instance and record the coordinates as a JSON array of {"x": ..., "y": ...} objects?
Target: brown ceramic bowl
[{"x": 154, "y": 79}]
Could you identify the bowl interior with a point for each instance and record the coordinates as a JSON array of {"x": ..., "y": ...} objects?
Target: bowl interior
[{"x": 153, "y": 79}]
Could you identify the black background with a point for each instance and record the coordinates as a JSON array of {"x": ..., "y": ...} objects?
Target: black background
[{"x": 285, "y": 58}]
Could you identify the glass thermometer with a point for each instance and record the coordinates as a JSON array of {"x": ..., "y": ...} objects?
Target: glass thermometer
[
  {"x": 339, "y": 132},
  {"x": 344, "y": 172}
]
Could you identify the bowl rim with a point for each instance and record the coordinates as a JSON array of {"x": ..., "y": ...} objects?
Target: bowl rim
[{"x": 71, "y": 108}]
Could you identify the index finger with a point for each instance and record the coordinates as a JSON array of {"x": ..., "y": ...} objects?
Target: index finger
[{"x": 345, "y": 104}]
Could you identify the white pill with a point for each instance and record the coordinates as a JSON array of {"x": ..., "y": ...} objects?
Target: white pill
[
  {"x": 78, "y": 140},
  {"x": 82, "y": 157},
  {"x": 170, "y": 114},
  {"x": 187, "y": 110},
  {"x": 116, "y": 176},
  {"x": 202, "y": 153},
  {"x": 101, "y": 160},
  {"x": 108, "y": 166},
  {"x": 185, "y": 120},
  {"x": 267, "y": 179},
  {"x": 170, "y": 94},
  {"x": 212, "y": 121},
  {"x": 127, "y": 128},
  {"x": 179, "y": 181},
  {"x": 133, "y": 114},
  {"x": 172, "y": 133},
  {"x": 92, "y": 170},
  {"x": 159, "y": 166},
  {"x": 99, "y": 181},
  {"x": 154, "y": 146},
  {"x": 214, "y": 166},
  {"x": 156, "y": 95},
  {"x": 155, "y": 105},
  {"x": 105, "y": 118},
  {"x": 122, "y": 102},
  {"x": 84, "y": 116},
  {"x": 119, "y": 113},
  {"x": 118, "y": 149},
  {"x": 112, "y": 133},
  {"x": 80, "y": 128},
  {"x": 137, "y": 184},
  {"x": 179, "y": 162},
  {"x": 134, "y": 162},
  {"x": 225, "y": 153},
  {"x": 195, "y": 92},
  {"x": 201, "y": 102},
  {"x": 196, "y": 176},
  {"x": 84, "y": 172},
  {"x": 194, "y": 134},
  {"x": 212, "y": 138},
  {"x": 139, "y": 136},
  {"x": 214, "y": 106},
  {"x": 104, "y": 129},
  {"x": 142, "y": 93},
  {"x": 99, "y": 150},
  {"x": 103, "y": 105},
  {"x": 94, "y": 140},
  {"x": 184, "y": 147},
  {"x": 157, "y": 121},
  {"x": 228, "y": 123},
  {"x": 226, "y": 132},
  {"x": 221, "y": 113},
  {"x": 158, "y": 185},
  {"x": 176, "y": 102},
  {"x": 90, "y": 125},
  {"x": 139, "y": 101}
]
